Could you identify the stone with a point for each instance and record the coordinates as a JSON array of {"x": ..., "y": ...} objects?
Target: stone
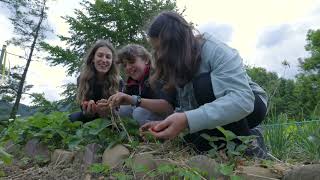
[
  {"x": 142, "y": 164},
  {"x": 60, "y": 156},
  {"x": 91, "y": 155},
  {"x": 257, "y": 173},
  {"x": 35, "y": 149},
  {"x": 10, "y": 147},
  {"x": 87, "y": 177},
  {"x": 115, "y": 155},
  {"x": 205, "y": 164},
  {"x": 307, "y": 172}
]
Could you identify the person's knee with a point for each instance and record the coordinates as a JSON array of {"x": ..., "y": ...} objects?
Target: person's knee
[
  {"x": 125, "y": 111},
  {"x": 143, "y": 116}
]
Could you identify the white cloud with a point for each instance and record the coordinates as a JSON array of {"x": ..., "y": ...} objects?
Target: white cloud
[
  {"x": 273, "y": 36},
  {"x": 223, "y": 32},
  {"x": 264, "y": 32}
]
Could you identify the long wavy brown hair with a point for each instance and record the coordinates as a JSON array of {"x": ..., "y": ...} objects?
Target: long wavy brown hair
[
  {"x": 178, "y": 57},
  {"x": 88, "y": 75}
]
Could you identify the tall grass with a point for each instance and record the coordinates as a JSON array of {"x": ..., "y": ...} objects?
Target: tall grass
[
  {"x": 277, "y": 137},
  {"x": 293, "y": 140}
]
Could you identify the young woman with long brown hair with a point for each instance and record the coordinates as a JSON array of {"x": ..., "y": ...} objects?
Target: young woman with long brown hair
[
  {"x": 99, "y": 79},
  {"x": 213, "y": 88}
]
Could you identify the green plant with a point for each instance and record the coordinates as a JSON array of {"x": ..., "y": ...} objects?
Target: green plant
[
  {"x": 99, "y": 168},
  {"x": 57, "y": 131},
  {"x": 278, "y": 137},
  {"x": 233, "y": 149},
  {"x": 307, "y": 140},
  {"x": 5, "y": 158}
]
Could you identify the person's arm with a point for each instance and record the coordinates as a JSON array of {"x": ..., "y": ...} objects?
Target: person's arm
[
  {"x": 160, "y": 106},
  {"x": 234, "y": 97}
]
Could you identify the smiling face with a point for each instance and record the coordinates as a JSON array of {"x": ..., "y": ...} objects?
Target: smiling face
[
  {"x": 102, "y": 60},
  {"x": 135, "y": 68}
]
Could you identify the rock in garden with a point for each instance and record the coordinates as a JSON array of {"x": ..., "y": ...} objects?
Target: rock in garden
[
  {"x": 11, "y": 148},
  {"x": 142, "y": 164},
  {"x": 60, "y": 156},
  {"x": 205, "y": 164},
  {"x": 115, "y": 156},
  {"x": 35, "y": 149},
  {"x": 91, "y": 154},
  {"x": 307, "y": 172},
  {"x": 257, "y": 173}
]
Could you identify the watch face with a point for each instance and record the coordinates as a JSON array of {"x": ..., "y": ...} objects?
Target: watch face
[{"x": 138, "y": 100}]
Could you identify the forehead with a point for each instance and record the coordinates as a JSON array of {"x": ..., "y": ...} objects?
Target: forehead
[
  {"x": 104, "y": 50},
  {"x": 129, "y": 60}
]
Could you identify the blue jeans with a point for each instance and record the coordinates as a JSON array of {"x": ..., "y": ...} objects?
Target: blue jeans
[{"x": 139, "y": 114}]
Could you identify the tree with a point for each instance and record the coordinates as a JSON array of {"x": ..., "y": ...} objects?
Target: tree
[
  {"x": 119, "y": 21},
  {"x": 312, "y": 63},
  {"x": 9, "y": 89},
  {"x": 40, "y": 103},
  {"x": 279, "y": 90},
  {"x": 28, "y": 21},
  {"x": 308, "y": 82}
]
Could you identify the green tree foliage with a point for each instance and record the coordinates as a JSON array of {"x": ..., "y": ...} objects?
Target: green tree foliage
[
  {"x": 280, "y": 91},
  {"x": 312, "y": 63},
  {"x": 119, "y": 21},
  {"x": 308, "y": 82},
  {"x": 42, "y": 104},
  {"x": 307, "y": 92},
  {"x": 9, "y": 88},
  {"x": 28, "y": 17}
]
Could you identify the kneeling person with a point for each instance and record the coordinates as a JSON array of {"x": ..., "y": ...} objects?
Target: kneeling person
[{"x": 139, "y": 100}]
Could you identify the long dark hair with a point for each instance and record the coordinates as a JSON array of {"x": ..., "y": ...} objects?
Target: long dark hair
[
  {"x": 110, "y": 82},
  {"x": 178, "y": 57}
]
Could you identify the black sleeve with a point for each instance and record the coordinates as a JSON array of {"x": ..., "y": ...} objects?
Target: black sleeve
[{"x": 168, "y": 95}]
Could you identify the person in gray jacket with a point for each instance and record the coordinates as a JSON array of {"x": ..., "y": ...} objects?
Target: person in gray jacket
[{"x": 213, "y": 88}]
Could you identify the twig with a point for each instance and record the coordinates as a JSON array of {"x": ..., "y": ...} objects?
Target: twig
[
  {"x": 113, "y": 120},
  {"x": 274, "y": 158},
  {"x": 124, "y": 128},
  {"x": 121, "y": 124}
]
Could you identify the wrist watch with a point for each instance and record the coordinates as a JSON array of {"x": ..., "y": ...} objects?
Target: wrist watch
[{"x": 136, "y": 100}]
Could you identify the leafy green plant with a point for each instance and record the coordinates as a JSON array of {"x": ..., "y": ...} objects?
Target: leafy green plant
[
  {"x": 122, "y": 176},
  {"x": 233, "y": 149},
  {"x": 178, "y": 172},
  {"x": 57, "y": 131},
  {"x": 307, "y": 140},
  {"x": 99, "y": 168},
  {"x": 5, "y": 158}
]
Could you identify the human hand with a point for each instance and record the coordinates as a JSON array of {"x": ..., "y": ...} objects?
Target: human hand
[
  {"x": 168, "y": 128},
  {"x": 103, "y": 108},
  {"x": 120, "y": 99},
  {"x": 89, "y": 107}
]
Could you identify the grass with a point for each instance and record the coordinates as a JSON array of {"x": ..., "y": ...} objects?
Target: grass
[{"x": 292, "y": 140}]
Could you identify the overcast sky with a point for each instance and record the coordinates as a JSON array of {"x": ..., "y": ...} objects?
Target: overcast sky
[{"x": 265, "y": 32}]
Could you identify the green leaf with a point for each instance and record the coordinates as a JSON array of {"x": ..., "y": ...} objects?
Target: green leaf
[
  {"x": 228, "y": 134},
  {"x": 225, "y": 169},
  {"x": 235, "y": 177},
  {"x": 5, "y": 157},
  {"x": 99, "y": 168}
]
